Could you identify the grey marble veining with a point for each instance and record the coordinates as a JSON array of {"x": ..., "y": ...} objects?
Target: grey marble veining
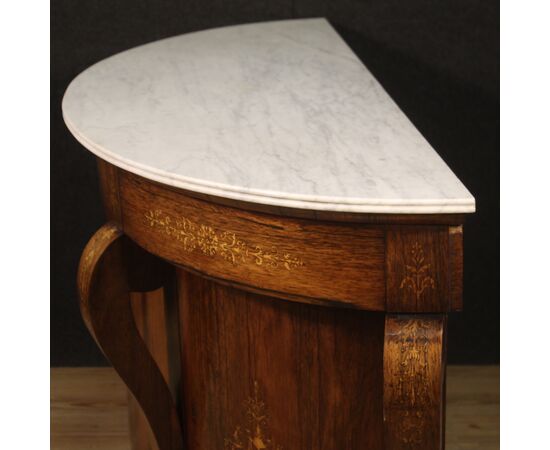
[{"x": 279, "y": 113}]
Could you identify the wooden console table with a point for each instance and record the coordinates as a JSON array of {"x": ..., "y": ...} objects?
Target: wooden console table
[{"x": 282, "y": 246}]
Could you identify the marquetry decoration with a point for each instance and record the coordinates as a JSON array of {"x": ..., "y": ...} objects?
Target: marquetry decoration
[
  {"x": 417, "y": 278},
  {"x": 417, "y": 269},
  {"x": 295, "y": 259},
  {"x": 253, "y": 434},
  {"x": 211, "y": 242},
  {"x": 413, "y": 382}
]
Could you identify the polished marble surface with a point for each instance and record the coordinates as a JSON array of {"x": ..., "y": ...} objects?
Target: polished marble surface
[{"x": 278, "y": 113}]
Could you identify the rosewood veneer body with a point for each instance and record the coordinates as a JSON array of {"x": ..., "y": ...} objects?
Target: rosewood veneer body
[{"x": 333, "y": 342}]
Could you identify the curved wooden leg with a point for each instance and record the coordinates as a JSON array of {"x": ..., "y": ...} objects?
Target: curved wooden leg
[
  {"x": 414, "y": 382},
  {"x": 156, "y": 317},
  {"x": 110, "y": 267}
]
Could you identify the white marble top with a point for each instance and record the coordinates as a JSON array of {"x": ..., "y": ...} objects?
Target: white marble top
[{"x": 278, "y": 113}]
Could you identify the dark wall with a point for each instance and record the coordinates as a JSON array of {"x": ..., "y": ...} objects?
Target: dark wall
[{"x": 438, "y": 59}]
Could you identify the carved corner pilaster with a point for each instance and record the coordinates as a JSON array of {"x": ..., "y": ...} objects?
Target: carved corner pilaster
[{"x": 417, "y": 269}]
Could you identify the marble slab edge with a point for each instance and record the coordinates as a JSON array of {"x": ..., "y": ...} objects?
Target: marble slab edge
[{"x": 351, "y": 205}]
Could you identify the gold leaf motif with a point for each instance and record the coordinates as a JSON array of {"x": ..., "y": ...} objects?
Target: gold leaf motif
[
  {"x": 417, "y": 279},
  {"x": 252, "y": 436},
  {"x": 210, "y": 242}
]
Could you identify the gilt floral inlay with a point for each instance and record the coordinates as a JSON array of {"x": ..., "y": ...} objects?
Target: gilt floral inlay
[
  {"x": 417, "y": 278},
  {"x": 211, "y": 242},
  {"x": 253, "y": 435}
]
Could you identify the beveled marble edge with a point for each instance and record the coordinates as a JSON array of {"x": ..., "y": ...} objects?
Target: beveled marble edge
[{"x": 287, "y": 200}]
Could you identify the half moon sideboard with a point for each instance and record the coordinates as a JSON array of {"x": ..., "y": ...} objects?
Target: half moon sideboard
[{"x": 282, "y": 246}]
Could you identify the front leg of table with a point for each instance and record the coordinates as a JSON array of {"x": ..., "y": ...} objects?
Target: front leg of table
[
  {"x": 110, "y": 268},
  {"x": 414, "y": 382},
  {"x": 423, "y": 282}
]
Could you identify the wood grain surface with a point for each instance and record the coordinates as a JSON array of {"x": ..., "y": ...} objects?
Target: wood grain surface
[
  {"x": 152, "y": 314},
  {"x": 307, "y": 365}
]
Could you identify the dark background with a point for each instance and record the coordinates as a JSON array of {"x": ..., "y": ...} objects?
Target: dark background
[{"x": 438, "y": 59}]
